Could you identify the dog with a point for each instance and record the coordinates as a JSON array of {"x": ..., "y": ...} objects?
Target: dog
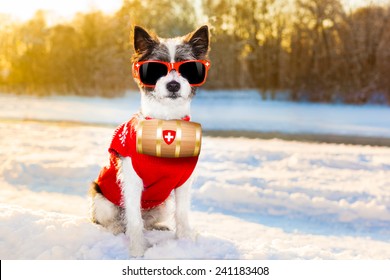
[{"x": 135, "y": 192}]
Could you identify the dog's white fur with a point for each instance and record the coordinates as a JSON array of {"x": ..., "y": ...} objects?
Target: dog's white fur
[{"x": 134, "y": 220}]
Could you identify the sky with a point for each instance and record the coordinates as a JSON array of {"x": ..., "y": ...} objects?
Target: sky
[{"x": 25, "y": 9}]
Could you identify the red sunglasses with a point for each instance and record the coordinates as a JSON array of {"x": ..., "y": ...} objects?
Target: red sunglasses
[{"x": 148, "y": 72}]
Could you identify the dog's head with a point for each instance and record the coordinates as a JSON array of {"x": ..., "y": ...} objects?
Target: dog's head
[{"x": 168, "y": 71}]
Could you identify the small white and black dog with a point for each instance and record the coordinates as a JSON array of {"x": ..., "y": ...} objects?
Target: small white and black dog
[{"x": 132, "y": 193}]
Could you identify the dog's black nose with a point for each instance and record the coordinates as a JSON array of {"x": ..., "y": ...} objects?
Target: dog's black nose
[{"x": 173, "y": 86}]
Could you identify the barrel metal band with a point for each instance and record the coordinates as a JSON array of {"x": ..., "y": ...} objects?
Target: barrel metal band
[
  {"x": 197, "y": 140},
  {"x": 159, "y": 138},
  {"x": 178, "y": 139},
  {"x": 139, "y": 137}
]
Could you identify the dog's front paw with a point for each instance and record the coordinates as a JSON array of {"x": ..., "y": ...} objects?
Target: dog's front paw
[{"x": 137, "y": 247}]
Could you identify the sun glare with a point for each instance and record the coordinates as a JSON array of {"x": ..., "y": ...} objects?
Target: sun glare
[
  {"x": 353, "y": 4},
  {"x": 25, "y": 9}
]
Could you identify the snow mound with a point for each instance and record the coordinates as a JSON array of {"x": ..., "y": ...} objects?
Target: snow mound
[{"x": 32, "y": 234}]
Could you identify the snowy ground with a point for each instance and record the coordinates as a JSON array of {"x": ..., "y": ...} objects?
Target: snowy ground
[{"x": 253, "y": 199}]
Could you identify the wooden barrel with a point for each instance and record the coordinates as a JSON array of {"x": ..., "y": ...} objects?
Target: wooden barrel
[{"x": 172, "y": 139}]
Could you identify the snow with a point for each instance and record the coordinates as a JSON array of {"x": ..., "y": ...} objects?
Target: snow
[{"x": 253, "y": 198}]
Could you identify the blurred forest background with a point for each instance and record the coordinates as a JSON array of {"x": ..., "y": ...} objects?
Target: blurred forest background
[{"x": 310, "y": 50}]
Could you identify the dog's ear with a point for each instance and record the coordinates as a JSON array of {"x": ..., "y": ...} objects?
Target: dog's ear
[
  {"x": 143, "y": 41},
  {"x": 199, "y": 41}
]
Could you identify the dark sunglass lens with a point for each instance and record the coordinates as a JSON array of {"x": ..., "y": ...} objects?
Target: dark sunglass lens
[
  {"x": 194, "y": 72},
  {"x": 150, "y": 72}
]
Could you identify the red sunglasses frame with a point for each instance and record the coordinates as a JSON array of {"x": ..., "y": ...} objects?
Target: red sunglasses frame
[{"x": 171, "y": 66}]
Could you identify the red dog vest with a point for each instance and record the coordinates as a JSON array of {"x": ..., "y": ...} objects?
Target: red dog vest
[{"x": 159, "y": 175}]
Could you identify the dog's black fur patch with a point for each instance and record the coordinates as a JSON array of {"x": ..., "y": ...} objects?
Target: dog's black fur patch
[
  {"x": 199, "y": 42},
  {"x": 94, "y": 189}
]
